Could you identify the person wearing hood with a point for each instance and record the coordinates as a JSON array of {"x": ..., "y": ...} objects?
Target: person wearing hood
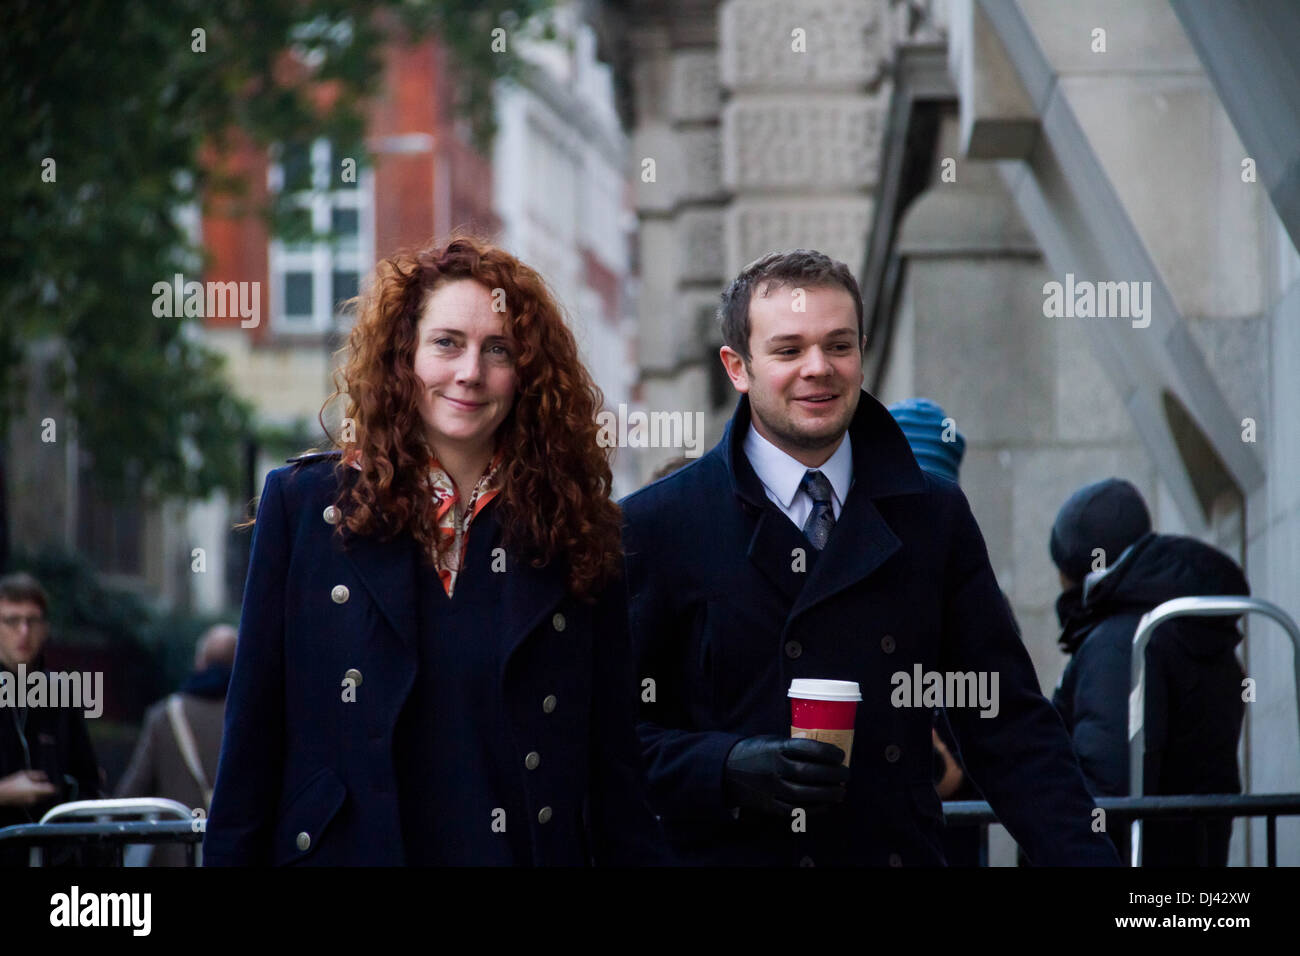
[
  {"x": 1114, "y": 569},
  {"x": 180, "y": 742},
  {"x": 46, "y": 757}
]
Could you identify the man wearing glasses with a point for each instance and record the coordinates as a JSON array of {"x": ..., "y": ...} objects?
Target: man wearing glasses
[{"x": 45, "y": 753}]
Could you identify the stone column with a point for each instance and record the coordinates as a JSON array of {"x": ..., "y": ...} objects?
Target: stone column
[{"x": 679, "y": 203}]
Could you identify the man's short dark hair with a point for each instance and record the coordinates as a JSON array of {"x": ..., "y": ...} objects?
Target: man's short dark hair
[
  {"x": 21, "y": 587},
  {"x": 798, "y": 267}
]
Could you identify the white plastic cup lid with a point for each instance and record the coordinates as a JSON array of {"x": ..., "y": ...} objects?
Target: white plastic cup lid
[{"x": 812, "y": 689}]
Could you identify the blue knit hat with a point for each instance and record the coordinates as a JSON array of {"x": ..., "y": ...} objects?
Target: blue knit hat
[{"x": 922, "y": 422}]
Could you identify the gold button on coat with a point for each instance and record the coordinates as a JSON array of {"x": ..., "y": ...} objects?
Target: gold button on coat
[
  {"x": 532, "y": 760},
  {"x": 557, "y": 622},
  {"x": 353, "y": 675},
  {"x": 548, "y": 703},
  {"x": 332, "y": 515},
  {"x": 304, "y": 841},
  {"x": 340, "y": 593}
]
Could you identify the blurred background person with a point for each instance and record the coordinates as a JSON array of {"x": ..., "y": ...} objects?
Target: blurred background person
[
  {"x": 45, "y": 753},
  {"x": 1194, "y": 706},
  {"x": 180, "y": 741}
]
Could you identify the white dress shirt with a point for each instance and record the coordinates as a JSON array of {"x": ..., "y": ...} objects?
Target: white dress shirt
[{"x": 781, "y": 475}]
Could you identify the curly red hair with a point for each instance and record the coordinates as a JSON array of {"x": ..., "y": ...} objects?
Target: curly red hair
[{"x": 554, "y": 503}]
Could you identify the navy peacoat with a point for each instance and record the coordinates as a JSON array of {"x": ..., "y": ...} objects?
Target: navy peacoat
[
  {"x": 730, "y": 602},
  {"x": 307, "y": 777}
]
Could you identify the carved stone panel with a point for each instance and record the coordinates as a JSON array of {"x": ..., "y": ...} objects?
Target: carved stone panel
[
  {"x": 835, "y": 226},
  {"x": 775, "y": 44},
  {"x": 694, "y": 93},
  {"x": 701, "y": 173},
  {"x": 700, "y": 233},
  {"x": 812, "y": 142}
]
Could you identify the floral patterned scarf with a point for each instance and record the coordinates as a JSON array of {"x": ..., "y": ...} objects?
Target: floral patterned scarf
[{"x": 443, "y": 490}]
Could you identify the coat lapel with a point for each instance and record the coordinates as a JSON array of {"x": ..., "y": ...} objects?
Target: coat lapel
[
  {"x": 388, "y": 569},
  {"x": 772, "y": 547},
  {"x": 862, "y": 541},
  {"x": 772, "y": 550},
  {"x": 390, "y": 572},
  {"x": 533, "y": 595}
]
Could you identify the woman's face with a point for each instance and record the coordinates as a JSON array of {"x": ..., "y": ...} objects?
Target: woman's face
[{"x": 465, "y": 359}]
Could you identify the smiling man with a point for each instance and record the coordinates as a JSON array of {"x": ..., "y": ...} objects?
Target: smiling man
[{"x": 809, "y": 544}]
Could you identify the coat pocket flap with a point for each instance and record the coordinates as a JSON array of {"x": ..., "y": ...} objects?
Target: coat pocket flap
[{"x": 303, "y": 823}]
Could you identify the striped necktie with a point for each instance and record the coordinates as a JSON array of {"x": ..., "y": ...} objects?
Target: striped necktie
[{"x": 822, "y": 518}]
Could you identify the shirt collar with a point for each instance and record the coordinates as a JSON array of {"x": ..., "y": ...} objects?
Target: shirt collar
[{"x": 782, "y": 474}]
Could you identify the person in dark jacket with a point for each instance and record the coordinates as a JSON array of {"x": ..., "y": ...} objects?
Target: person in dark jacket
[
  {"x": 1193, "y": 699},
  {"x": 809, "y": 544},
  {"x": 46, "y": 757},
  {"x": 432, "y": 662}
]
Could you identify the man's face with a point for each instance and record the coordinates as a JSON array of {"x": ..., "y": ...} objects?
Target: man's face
[
  {"x": 22, "y": 632},
  {"x": 805, "y": 371},
  {"x": 465, "y": 358}
]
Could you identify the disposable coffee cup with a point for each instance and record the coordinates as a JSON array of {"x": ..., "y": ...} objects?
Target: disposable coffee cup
[{"x": 824, "y": 710}]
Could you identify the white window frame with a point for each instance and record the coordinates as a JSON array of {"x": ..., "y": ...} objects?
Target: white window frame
[{"x": 322, "y": 259}]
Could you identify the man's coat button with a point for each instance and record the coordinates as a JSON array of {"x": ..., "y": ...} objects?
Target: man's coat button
[
  {"x": 332, "y": 515},
  {"x": 340, "y": 593},
  {"x": 532, "y": 760},
  {"x": 544, "y": 815},
  {"x": 548, "y": 703},
  {"x": 892, "y": 753},
  {"x": 557, "y": 622},
  {"x": 353, "y": 675},
  {"x": 887, "y": 644},
  {"x": 304, "y": 841},
  {"x": 793, "y": 649}
]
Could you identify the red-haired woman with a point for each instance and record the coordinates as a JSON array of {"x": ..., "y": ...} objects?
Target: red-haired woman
[{"x": 432, "y": 662}]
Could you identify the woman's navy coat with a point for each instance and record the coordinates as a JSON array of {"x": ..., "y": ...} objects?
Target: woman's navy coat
[{"x": 306, "y": 777}]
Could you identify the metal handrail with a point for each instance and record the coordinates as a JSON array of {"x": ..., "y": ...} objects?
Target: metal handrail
[{"x": 1212, "y": 606}]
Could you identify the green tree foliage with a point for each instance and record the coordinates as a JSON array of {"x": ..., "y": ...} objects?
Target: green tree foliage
[{"x": 122, "y": 97}]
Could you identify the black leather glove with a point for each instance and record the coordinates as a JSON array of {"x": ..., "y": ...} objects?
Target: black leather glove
[{"x": 775, "y": 774}]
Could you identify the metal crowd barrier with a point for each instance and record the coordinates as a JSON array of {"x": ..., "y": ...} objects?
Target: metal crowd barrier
[
  {"x": 956, "y": 813},
  {"x": 1218, "y": 606},
  {"x": 963, "y": 813},
  {"x": 111, "y": 827}
]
